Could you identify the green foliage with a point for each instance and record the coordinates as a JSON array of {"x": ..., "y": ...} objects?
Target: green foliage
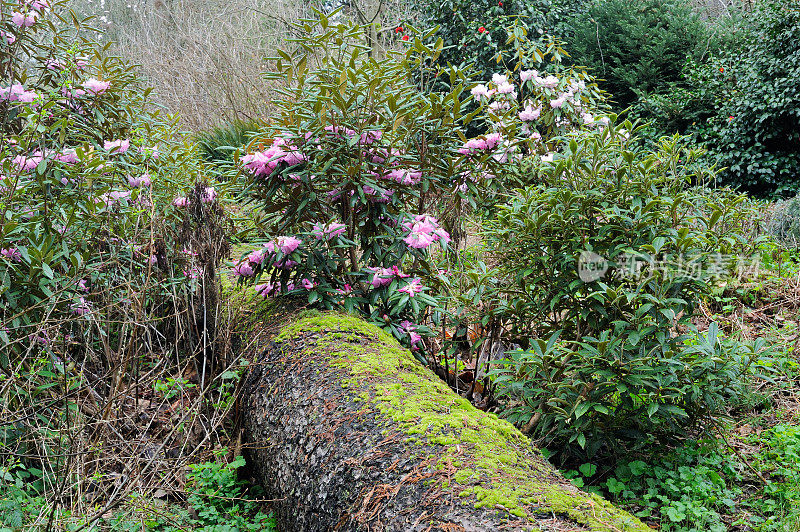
[
  {"x": 780, "y": 461},
  {"x": 460, "y": 23},
  {"x": 756, "y": 102},
  {"x": 218, "y": 500},
  {"x": 637, "y": 47},
  {"x": 600, "y": 263},
  {"x": 686, "y": 491},
  {"x": 222, "y": 142}
]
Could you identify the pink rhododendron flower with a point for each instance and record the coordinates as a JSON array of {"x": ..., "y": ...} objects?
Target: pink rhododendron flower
[
  {"x": 24, "y": 20},
  {"x": 411, "y": 330},
  {"x": 27, "y": 164},
  {"x": 256, "y": 257},
  {"x": 529, "y": 113},
  {"x": 12, "y": 92},
  {"x": 381, "y": 277},
  {"x": 588, "y": 119},
  {"x": 287, "y": 244},
  {"x": 140, "y": 181},
  {"x": 264, "y": 290},
  {"x": 413, "y": 288},
  {"x": 9, "y": 37},
  {"x": 307, "y": 284},
  {"x": 527, "y": 75},
  {"x": 53, "y": 64},
  {"x": 208, "y": 195},
  {"x": 499, "y": 79},
  {"x": 370, "y": 137},
  {"x": 11, "y": 254},
  {"x": 95, "y": 86},
  {"x": 378, "y": 196},
  {"x": 181, "y": 201},
  {"x": 505, "y": 88},
  {"x": 68, "y": 156},
  {"x": 549, "y": 82},
  {"x": 113, "y": 197},
  {"x": 286, "y": 264},
  {"x": 119, "y": 146},
  {"x": 346, "y": 290},
  {"x": 557, "y": 103},
  {"x": 419, "y": 239},
  {"x": 326, "y": 232},
  {"x": 27, "y": 97},
  {"x": 243, "y": 269},
  {"x": 479, "y": 90}
]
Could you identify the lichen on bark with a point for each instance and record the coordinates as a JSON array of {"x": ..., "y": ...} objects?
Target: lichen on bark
[{"x": 466, "y": 469}]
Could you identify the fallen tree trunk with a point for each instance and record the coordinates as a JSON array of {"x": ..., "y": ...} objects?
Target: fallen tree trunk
[{"x": 350, "y": 433}]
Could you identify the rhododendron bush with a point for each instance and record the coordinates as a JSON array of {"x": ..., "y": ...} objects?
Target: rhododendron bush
[
  {"x": 85, "y": 173},
  {"x": 363, "y": 178},
  {"x": 363, "y": 175}
]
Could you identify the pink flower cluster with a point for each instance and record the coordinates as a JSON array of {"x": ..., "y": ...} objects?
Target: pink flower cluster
[
  {"x": 384, "y": 276},
  {"x": 24, "y": 20},
  {"x": 411, "y": 330},
  {"x": 327, "y": 232},
  {"x": 476, "y": 145},
  {"x": 17, "y": 93},
  {"x": 424, "y": 230},
  {"x": 140, "y": 181},
  {"x": 95, "y": 86},
  {"x": 403, "y": 176},
  {"x": 118, "y": 147},
  {"x": 283, "y": 244},
  {"x": 263, "y": 163},
  {"x": 378, "y": 195},
  {"x": 11, "y": 254}
]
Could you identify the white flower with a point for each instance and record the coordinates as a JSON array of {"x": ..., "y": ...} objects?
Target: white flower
[
  {"x": 479, "y": 90},
  {"x": 499, "y": 79}
]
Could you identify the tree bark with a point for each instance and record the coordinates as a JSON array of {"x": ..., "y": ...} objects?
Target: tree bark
[{"x": 348, "y": 432}]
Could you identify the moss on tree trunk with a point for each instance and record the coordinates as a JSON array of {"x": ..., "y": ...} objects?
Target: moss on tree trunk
[{"x": 349, "y": 432}]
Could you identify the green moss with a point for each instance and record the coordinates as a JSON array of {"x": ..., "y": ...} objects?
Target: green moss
[{"x": 505, "y": 471}]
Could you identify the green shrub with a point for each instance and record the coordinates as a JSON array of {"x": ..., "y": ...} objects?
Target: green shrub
[
  {"x": 637, "y": 47},
  {"x": 601, "y": 263},
  {"x": 477, "y": 32},
  {"x": 754, "y": 132}
]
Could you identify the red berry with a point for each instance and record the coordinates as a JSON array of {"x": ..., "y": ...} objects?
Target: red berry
[
  {"x": 405, "y": 37},
  {"x": 481, "y": 30},
  {"x": 500, "y": 4},
  {"x": 398, "y": 29},
  {"x": 721, "y": 69}
]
